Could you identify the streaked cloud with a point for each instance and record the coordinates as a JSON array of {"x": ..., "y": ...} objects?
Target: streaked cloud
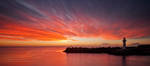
[{"x": 54, "y": 20}]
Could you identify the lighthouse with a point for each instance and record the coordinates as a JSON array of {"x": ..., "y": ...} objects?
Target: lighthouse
[{"x": 124, "y": 43}]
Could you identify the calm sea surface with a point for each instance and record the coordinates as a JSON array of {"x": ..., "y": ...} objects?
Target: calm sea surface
[{"x": 53, "y": 56}]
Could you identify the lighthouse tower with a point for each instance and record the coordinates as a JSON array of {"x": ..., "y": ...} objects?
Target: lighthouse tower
[{"x": 124, "y": 43}]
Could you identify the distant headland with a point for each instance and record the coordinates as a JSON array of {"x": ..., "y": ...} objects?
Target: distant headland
[{"x": 139, "y": 50}]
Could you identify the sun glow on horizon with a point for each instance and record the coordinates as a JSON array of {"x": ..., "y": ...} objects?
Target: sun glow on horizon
[
  {"x": 73, "y": 22},
  {"x": 63, "y": 41}
]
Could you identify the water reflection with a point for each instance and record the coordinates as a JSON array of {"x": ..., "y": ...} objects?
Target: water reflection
[
  {"x": 123, "y": 60},
  {"x": 94, "y": 60},
  {"x": 53, "y": 57},
  {"x": 83, "y": 59},
  {"x": 31, "y": 57}
]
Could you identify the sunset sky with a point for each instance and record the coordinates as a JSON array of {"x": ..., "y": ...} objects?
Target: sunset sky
[{"x": 74, "y": 22}]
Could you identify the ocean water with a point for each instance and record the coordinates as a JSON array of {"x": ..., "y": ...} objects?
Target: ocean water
[{"x": 53, "y": 56}]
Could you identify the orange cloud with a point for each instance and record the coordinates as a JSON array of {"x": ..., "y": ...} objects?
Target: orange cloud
[
  {"x": 17, "y": 31},
  {"x": 53, "y": 28}
]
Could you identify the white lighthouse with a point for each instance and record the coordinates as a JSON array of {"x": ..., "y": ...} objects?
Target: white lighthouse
[{"x": 124, "y": 43}]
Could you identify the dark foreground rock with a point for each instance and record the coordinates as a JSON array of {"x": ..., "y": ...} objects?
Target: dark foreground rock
[{"x": 140, "y": 50}]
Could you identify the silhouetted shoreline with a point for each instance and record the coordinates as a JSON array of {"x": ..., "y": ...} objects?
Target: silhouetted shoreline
[{"x": 140, "y": 50}]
